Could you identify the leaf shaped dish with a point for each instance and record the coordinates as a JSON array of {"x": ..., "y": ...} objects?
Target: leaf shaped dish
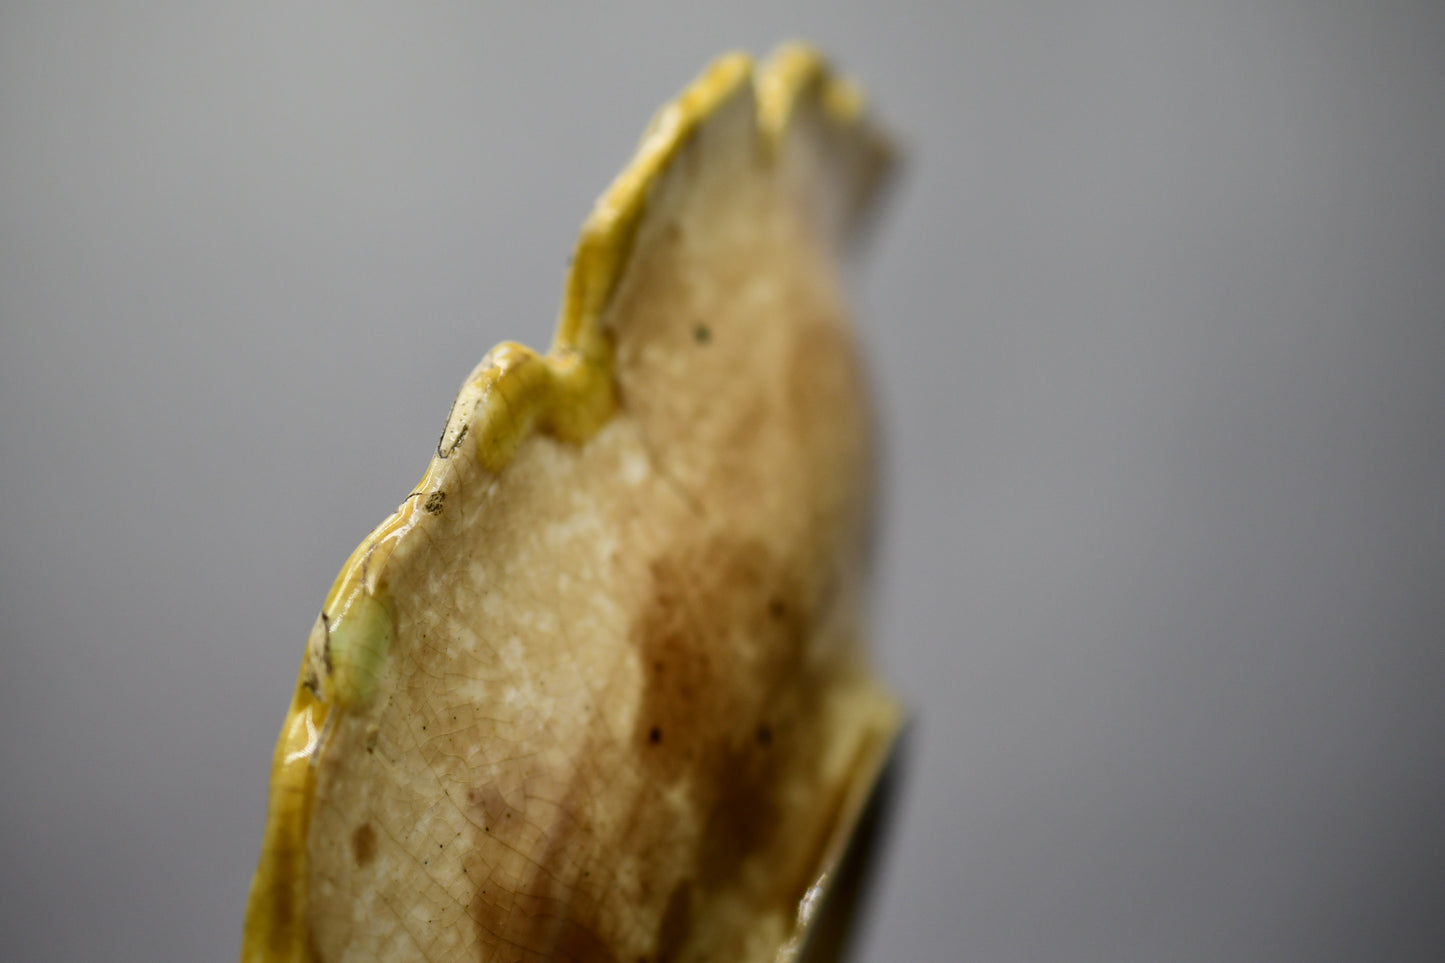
[{"x": 597, "y": 689}]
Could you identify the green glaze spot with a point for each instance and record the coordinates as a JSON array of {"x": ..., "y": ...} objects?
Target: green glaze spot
[{"x": 358, "y": 641}]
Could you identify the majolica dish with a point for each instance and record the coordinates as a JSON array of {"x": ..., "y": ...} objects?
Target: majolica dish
[{"x": 598, "y": 689}]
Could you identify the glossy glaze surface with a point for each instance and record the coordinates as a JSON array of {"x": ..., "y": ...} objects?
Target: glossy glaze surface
[{"x": 597, "y": 689}]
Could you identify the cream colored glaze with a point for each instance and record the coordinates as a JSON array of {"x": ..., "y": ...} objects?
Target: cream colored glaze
[{"x": 597, "y": 690}]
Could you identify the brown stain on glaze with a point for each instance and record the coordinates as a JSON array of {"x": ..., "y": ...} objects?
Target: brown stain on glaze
[
  {"x": 363, "y": 844},
  {"x": 710, "y": 643},
  {"x": 729, "y": 713},
  {"x": 725, "y": 645},
  {"x": 676, "y": 921},
  {"x": 549, "y": 916}
]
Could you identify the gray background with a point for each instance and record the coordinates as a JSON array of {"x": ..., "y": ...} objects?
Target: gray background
[{"x": 1157, "y": 317}]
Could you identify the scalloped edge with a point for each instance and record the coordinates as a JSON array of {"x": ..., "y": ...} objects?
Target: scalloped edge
[{"x": 513, "y": 392}]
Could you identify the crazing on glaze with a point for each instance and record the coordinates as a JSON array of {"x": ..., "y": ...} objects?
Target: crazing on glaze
[{"x": 597, "y": 690}]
